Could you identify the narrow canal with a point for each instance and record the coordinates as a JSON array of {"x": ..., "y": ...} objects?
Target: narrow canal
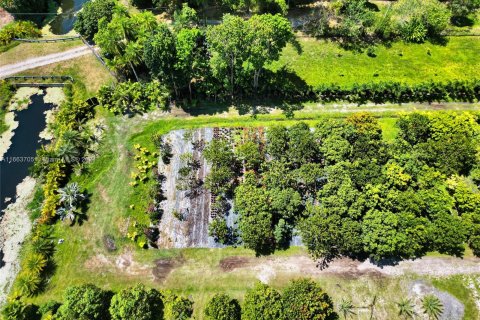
[
  {"x": 63, "y": 23},
  {"x": 25, "y": 142}
]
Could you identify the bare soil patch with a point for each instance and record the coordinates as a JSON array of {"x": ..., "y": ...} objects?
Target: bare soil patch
[
  {"x": 163, "y": 267},
  {"x": 232, "y": 263}
]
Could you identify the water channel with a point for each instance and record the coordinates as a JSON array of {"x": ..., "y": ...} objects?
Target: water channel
[
  {"x": 25, "y": 142},
  {"x": 63, "y": 23}
]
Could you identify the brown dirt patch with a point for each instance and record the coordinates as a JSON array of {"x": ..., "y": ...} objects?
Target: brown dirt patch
[
  {"x": 5, "y": 17},
  {"x": 232, "y": 263},
  {"x": 163, "y": 267}
]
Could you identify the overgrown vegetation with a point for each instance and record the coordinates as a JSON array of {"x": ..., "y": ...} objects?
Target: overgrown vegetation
[
  {"x": 6, "y": 94},
  {"x": 351, "y": 193}
]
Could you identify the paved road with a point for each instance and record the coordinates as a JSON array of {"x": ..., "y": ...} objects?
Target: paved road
[{"x": 31, "y": 63}]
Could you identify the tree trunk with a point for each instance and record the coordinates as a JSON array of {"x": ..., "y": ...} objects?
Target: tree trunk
[{"x": 134, "y": 72}]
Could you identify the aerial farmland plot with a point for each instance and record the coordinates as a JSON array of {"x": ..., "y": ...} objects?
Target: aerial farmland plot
[{"x": 267, "y": 160}]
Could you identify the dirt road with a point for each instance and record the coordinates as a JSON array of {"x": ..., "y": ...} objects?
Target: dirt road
[{"x": 14, "y": 68}]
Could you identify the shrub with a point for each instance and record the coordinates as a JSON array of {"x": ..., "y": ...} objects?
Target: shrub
[
  {"x": 262, "y": 303},
  {"x": 177, "y": 308},
  {"x": 304, "y": 299},
  {"x": 222, "y": 307},
  {"x": 85, "y": 302},
  {"x": 18, "y": 29},
  {"x": 49, "y": 307},
  {"x": 417, "y": 20},
  {"x": 137, "y": 303}
]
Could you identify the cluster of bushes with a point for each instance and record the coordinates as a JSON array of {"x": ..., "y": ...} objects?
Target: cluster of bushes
[
  {"x": 18, "y": 29},
  {"x": 359, "y": 23},
  {"x": 25, "y": 5},
  {"x": 301, "y": 299},
  {"x": 133, "y": 97},
  {"x": 351, "y": 193}
]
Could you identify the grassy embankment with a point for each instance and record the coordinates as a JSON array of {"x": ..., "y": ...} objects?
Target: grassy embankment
[{"x": 82, "y": 257}]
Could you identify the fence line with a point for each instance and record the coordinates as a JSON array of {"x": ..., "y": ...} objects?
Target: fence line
[
  {"x": 98, "y": 56},
  {"x": 47, "y": 40}
]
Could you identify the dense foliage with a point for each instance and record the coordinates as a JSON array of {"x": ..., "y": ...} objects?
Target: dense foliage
[
  {"x": 349, "y": 192},
  {"x": 18, "y": 29},
  {"x": 137, "y": 303},
  {"x": 90, "y": 15},
  {"x": 85, "y": 302},
  {"x": 25, "y": 5},
  {"x": 222, "y": 307}
]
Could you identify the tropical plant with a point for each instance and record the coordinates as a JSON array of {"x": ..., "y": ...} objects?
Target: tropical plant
[
  {"x": 432, "y": 306},
  {"x": 28, "y": 283},
  {"x": 345, "y": 308},
  {"x": 85, "y": 302},
  {"x": 406, "y": 309},
  {"x": 35, "y": 263}
]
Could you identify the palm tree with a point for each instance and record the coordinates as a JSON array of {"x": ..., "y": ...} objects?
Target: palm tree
[
  {"x": 432, "y": 306},
  {"x": 66, "y": 214},
  {"x": 405, "y": 309},
  {"x": 346, "y": 308}
]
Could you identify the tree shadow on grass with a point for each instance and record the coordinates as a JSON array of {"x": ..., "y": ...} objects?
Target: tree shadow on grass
[{"x": 281, "y": 89}]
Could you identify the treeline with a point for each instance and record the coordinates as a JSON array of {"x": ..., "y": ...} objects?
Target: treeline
[
  {"x": 348, "y": 192},
  {"x": 223, "y": 61},
  {"x": 301, "y": 299}
]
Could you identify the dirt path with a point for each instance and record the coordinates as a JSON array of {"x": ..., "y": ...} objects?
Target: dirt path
[{"x": 32, "y": 63}]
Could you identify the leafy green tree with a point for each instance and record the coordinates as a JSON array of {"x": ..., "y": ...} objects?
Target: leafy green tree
[
  {"x": 177, "y": 307},
  {"x": 282, "y": 234},
  {"x": 302, "y": 147},
  {"x": 304, "y": 299},
  {"x": 228, "y": 44},
  {"x": 91, "y": 13},
  {"x": 449, "y": 234},
  {"x": 414, "y": 128},
  {"x": 406, "y": 309},
  {"x": 222, "y": 307},
  {"x": 462, "y": 8},
  {"x": 355, "y": 21},
  {"x": 85, "y": 302},
  {"x": 160, "y": 55},
  {"x": 186, "y": 18},
  {"x": 250, "y": 153},
  {"x": 219, "y": 153},
  {"x": 219, "y": 230},
  {"x": 262, "y": 303},
  {"x": 122, "y": 39},
  {"x": 432, "y": 306},
  {"x": 268, "y": 35},
  {"x": 285, "y": 203},
  {"x": 191, "y": 55},
  {"x": 137, "y": 303},
  {"x": 277, "y": 142}
]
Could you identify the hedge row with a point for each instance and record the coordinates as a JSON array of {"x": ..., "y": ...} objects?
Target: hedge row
[{"x": 395, "y": 92}]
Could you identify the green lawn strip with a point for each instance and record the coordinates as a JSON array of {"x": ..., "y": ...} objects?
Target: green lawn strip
[
  {"x": 324, "y": 62},
  {"x": 456, "y": 286}
]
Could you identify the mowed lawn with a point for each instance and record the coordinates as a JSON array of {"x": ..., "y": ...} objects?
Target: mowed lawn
[{"x": 323, "y": 62}]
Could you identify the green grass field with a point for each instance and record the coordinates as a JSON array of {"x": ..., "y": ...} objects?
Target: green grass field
[
  {"x": 323, "y": 62},
  {"x": 82, "y": 258}
]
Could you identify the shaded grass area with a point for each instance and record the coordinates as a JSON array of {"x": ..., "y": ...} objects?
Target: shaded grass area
[
  {"x": 323, "y": 62},
  {"x": 83, "y": 258},
  {"x": 24, "y": 51},
  {"x": 89, "y": 74}
]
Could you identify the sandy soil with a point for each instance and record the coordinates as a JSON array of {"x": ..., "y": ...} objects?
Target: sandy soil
[{"x": 14, "y": 228}]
